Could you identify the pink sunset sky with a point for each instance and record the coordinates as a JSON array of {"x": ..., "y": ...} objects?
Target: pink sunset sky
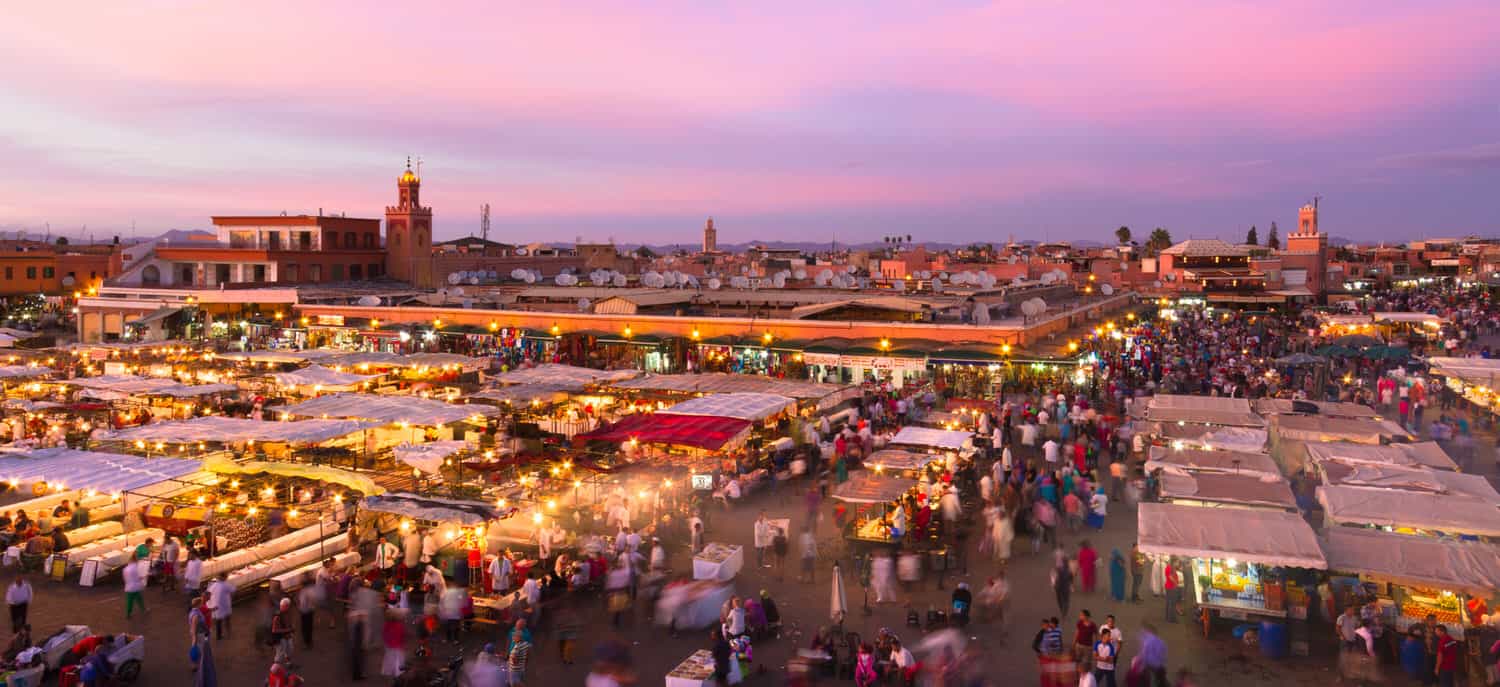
[{"x": 956, "y": 121}]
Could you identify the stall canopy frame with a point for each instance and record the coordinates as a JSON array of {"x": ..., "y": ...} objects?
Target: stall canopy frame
[{"x": 1265, "y": 537}]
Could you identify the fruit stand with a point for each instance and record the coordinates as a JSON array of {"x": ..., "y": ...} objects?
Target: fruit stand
[{"x": 1413, "y": 576}]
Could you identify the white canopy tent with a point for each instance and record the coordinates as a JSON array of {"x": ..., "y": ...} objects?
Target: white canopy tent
[
  {"x": 948, "y": 439},
  {"x": 1450, "y": 513},
  {"x": 896, "y": 459},
  {"x": 1211, "y": 410},
  {"x": 1444, "y": 564},
  {"x": 742, "y": 405},
  {"x": 65, "y": 468},
  {"x": 1424, "y": 454},
  {"x": 317, "y": 377},
  {"x": 228, "y": 429},
  {"x": 523, "y": 394},
  {"x": 287, "y": 356},
  {"x": 413, "y": 410},
  {"x": 1266, "y": 537}
]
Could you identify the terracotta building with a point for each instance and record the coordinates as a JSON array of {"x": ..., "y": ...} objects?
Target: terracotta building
[{"x": 35, "y": 267}]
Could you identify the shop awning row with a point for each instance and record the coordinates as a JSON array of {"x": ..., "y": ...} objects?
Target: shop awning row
[
  {"x": 322, "y": 473},
  {"x": 710, "y": 433},
  {"x": 1265, "y": 537},
  {"x": 724, "y": 383},
  {"x": 216, "y": 428},
  {"x": 1444, "y": 564},
  {"x": 413, "y": 410}
]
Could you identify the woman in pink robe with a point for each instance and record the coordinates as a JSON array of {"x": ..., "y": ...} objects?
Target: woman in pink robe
[{"x": 1088, "y": 561}]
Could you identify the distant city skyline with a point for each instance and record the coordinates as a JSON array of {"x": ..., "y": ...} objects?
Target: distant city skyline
[{"x": 955, "y": 123}]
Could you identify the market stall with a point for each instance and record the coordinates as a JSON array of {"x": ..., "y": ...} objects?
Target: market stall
[
  {"x": 752, "y": 406},
  {"x": 718, "y": 561},
  {"x": 823, "y": 397},
  {"x": 1199, "y": 460},
  {"x": 315, "y": 379},
  {"x": 1410, "y": 511},
  {"x": 387, "y": 409},
  {"x": 1413, "y": 576},
  {"x": 876, "y": 498},
  {"x": 219, "y": 429},
  {"x": 1216, "y": 489},
  {"x": 1241, "y": 558}
]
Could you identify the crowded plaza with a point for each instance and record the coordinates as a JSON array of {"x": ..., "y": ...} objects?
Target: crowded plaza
[{"x": 1183, "y": 493}]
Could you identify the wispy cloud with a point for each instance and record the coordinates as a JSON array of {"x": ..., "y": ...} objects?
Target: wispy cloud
[{"x": 1483, "y": 156}]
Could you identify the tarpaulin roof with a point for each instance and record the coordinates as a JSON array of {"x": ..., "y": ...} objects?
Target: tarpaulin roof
[
  {"x": 23, "y": 371},
  {"x": 282, "y": 356},
  {"x": 388, "y": 409},
  {"x": 1451, "y": 513},
  {"x": 432, "y": 508},
  {"x": 106, "y": 472},
  {"x": 147, "y": 386},
  {"x": 1221, "y": 487},
  {"x": 1242, "y": 462},
  {"x": 1215, "y": 410},
  {"x": 428, "y": 457},
  {"x": 867, "y": 487},
  {"x": 1313, "y": 428},
  {"x": 228, "y": 429},
  {"x": 1284, "y": 406},
  {"x": 1444, "y": 564},
  {"x": 742, "y": 405},
  {"x": 523, "y": 393},
  {"x": 701, "y": 431},
  {"x": 1475, "y": 371},
  {"x": 896, "y": 459},
  {"x": 563, "y": 376},
  {"x": 1424, "y": 454},
  {"x": 1228, "y": 438},
  {"x": 322, "y": 473},
  {"x": 927, "y": 436},
  {"x": 1266, "y": 537},
  {"x": 317, "y": 375}
]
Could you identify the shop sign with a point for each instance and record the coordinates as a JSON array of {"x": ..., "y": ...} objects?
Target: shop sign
[
  {"x": 820, "y": 358},
  {"x": 331, "y": 320},
  {"x": 703, "y": 482}
]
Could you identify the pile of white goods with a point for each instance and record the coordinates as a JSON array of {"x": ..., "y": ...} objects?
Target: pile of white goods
[
  {"x": 311, "y": 555},
  {"x": 107, "y": 555},
  {"x": 273, "y": 548},
  {"x": 84, "y": 536}
]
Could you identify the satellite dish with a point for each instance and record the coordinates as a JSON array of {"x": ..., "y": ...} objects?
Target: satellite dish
[
  {"x": 473, "y": 281},
  {"x": 937, "y": 286},
  {"x": 779, "y": 281},
  {"x": 1170, "y": 276},
  {"x": 1041, "y": 306},
  {"x": 1028, "y": 308},
  {"x": 800, "y": 274},
  {"x": 981, "y": 314},
  {"x": 518, "y": 274},
  {"x": 457, "y": 291},
  {"x": 1017, "y": 281},
  {"x": 824, "y": 277},
  {"x": 583, "y": 305},
  {"x": 1107, "y": 289},
  {"x": 714, "y": 284},
  {"x": 521, "y": 251},
  {"x": 529, "y": 278},
  {"x": 1012, "y": 259},
  {"x": 454, "y": 278},
  {"x": 369, "y": 301},
  {"x": 986, "y": 279},
  {"x": 68, "y": 280},
  {"x": 491, "y": 275},
  {"x": 619, "y": 280},
  {"x": 899, "y": 285},
  {"x": 850, "y": 269},
  {"x": 1156, "y": 283}
]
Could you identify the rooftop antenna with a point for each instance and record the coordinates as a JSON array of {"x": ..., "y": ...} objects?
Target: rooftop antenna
[
  {"x": 1316, "y": 198},
  {"x": 484, "y": 221}
]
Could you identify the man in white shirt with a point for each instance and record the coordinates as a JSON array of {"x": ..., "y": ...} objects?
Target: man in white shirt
[
  {"x": 18, "y": 597},
  {"x": 430, "y": 546},
  {"x": 386, "y": 555},
  {"x": 762, "y": 539},
  {"x": 1049, "y": 451},
  {"x": 500, "y": 572}
]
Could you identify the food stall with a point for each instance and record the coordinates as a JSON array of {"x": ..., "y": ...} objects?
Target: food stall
[
  {"x": 1413, "y": 576},
  {"x": 875, "y": 497},
  {"x": 1242, "y": 559},
  {"x": 1410, "y": 512}
]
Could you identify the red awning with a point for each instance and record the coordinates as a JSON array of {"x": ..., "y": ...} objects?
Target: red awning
[{"x": 701, "y": 431}]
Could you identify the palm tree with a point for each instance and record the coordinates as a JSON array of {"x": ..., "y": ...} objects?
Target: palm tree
[
  {"x": 1160, "y": 238},
  {"x": 1272, "y": 240},
  {"x": 1123, "y": 235},
  {"x": 1252, "y": 238}
]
